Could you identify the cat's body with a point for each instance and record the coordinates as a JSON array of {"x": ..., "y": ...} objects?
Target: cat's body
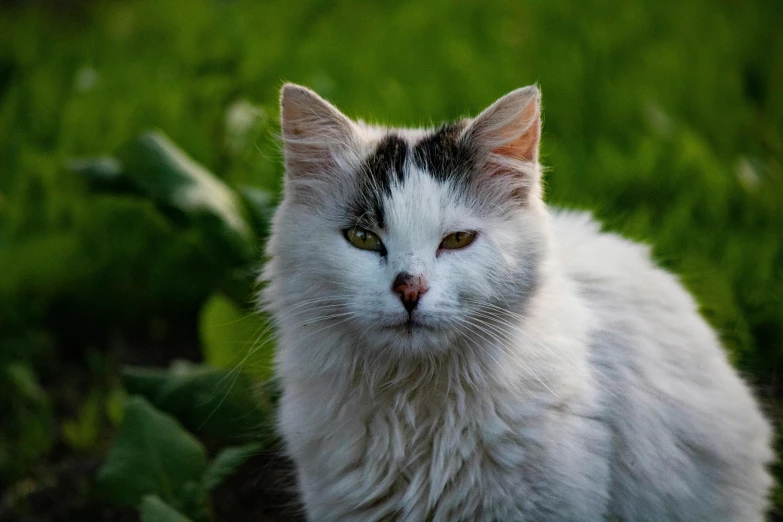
[{"x": 546, "y": 370}]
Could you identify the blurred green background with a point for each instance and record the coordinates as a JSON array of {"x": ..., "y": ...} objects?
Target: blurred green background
[{"x": 139, "y": 165}]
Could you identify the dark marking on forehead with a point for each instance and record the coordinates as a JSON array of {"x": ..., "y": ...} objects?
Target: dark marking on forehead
[
  {"x": 444, "y": 155},
  {"x": 386, "y": 164},
  {"x": 384, "y": 167}
]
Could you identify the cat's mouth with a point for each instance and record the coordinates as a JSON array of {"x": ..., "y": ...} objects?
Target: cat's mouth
[{"x": 410, "y": 325}]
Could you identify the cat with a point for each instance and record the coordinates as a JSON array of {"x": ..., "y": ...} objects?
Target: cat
[{"x": 450, "y": 348}]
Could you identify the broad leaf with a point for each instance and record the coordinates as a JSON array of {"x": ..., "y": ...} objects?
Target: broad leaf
[
  {"x": 82, "y": 432},
  {"x": 226, "y": 462},
  {"x": 232, "y": 337},
  {"x": 152, "y": 165},
  {"x": 210, "y": 402},
  {"x": 24, "y": 382},
  {"x": 153, "y": 509},
  {"x": 103, "y": 173},
  {"x": 170, "y": 176},
  {"x": 152, "y": 454}
]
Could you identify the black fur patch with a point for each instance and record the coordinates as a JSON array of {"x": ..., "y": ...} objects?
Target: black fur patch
[
  {"x": 443, "y": 155},
  {"x": 382, "y": 168},
  {"x": 387, "y": 162}
]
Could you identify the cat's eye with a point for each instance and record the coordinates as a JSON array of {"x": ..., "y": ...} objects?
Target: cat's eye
[
  {"x": 457, "y": 240},
  {"x": 364, "y": 240}
]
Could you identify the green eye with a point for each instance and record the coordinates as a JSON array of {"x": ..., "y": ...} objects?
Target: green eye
[
  {"x": 457, "y": 240},
  {"x": 364, "y": 240}
]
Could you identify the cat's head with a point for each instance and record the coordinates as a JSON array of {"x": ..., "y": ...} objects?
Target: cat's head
[{"x": 405, "y": 238}]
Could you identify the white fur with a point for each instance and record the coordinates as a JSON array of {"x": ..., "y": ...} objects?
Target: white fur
[{"x": 597, "y": 393}]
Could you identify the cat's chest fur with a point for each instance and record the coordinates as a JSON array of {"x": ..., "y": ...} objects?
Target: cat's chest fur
[{"x": 451, "y": 452}]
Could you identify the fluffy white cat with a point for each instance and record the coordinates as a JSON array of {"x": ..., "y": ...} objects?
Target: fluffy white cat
[{"x": 450, "y": 348}]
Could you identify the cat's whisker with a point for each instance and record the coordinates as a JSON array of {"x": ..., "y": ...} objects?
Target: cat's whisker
[
  {"x": 256, "y": 346},
  {"x": 508, "y": 352},
  {"x": 528, "y": 324},
  {"x": 576, "y": 365},
  {"x": 338, "y": 299},
  {"x": 481, "y": 347},
  {"x": 237, "y": 373},
  {"x": 285, "y": 316}
]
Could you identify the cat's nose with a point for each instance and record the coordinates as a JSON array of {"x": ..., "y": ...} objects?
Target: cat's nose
[{"x": 410, "y": 289}]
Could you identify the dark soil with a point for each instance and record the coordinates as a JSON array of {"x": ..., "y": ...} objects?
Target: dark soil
[{"x": 63, "y": 492}]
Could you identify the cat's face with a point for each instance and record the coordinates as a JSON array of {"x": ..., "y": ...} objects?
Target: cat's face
[{"x": 405, "y": 239}]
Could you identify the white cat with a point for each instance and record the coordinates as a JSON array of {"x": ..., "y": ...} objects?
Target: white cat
[{"x": 450, "y": 348}]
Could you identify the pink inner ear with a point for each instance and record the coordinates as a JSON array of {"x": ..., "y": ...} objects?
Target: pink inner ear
[
  {"x": 524, "y": 147},
  {"x": 510, "y": 131}
]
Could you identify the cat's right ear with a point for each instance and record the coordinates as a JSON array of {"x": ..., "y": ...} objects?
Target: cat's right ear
[
  {"x": 507, "y": 136},
  {"x": 315, "y": 133}
]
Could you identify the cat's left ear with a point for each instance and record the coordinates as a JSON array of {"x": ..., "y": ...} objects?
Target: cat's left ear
[{"x": 507, "y": 134}]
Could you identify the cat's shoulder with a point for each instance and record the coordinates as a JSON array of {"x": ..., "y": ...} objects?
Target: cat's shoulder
[
  {"x": 607, "y": 262},
  {"x": 580, "y": 238}
]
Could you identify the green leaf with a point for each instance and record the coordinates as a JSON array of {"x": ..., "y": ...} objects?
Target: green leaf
[
  {"x": 115, "y": 405},
  {"x": 153, "y": 509},
  {"x": 103, "y": 173},
  {"x": 145, "y": 381},
  {"x": 223, "y": 226},
  {"x": 81, "y": 433},
  {"x": 27, "y": 422},
  {"x": 233, "y": 337},
  {"x": 208, "y": 401},
  {"x": 226, "y": 462},
  {"x": 168, "y": 175},
  {"x": 22, "y": 377},
  {"x": 195, "y": 502},
  {"x": 152, "y": 454}
]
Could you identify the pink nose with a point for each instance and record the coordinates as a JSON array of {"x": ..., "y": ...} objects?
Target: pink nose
[{"x": 410, "y": 289}]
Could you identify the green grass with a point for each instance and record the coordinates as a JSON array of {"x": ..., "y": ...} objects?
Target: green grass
[{"x": 665, "y": 120}]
